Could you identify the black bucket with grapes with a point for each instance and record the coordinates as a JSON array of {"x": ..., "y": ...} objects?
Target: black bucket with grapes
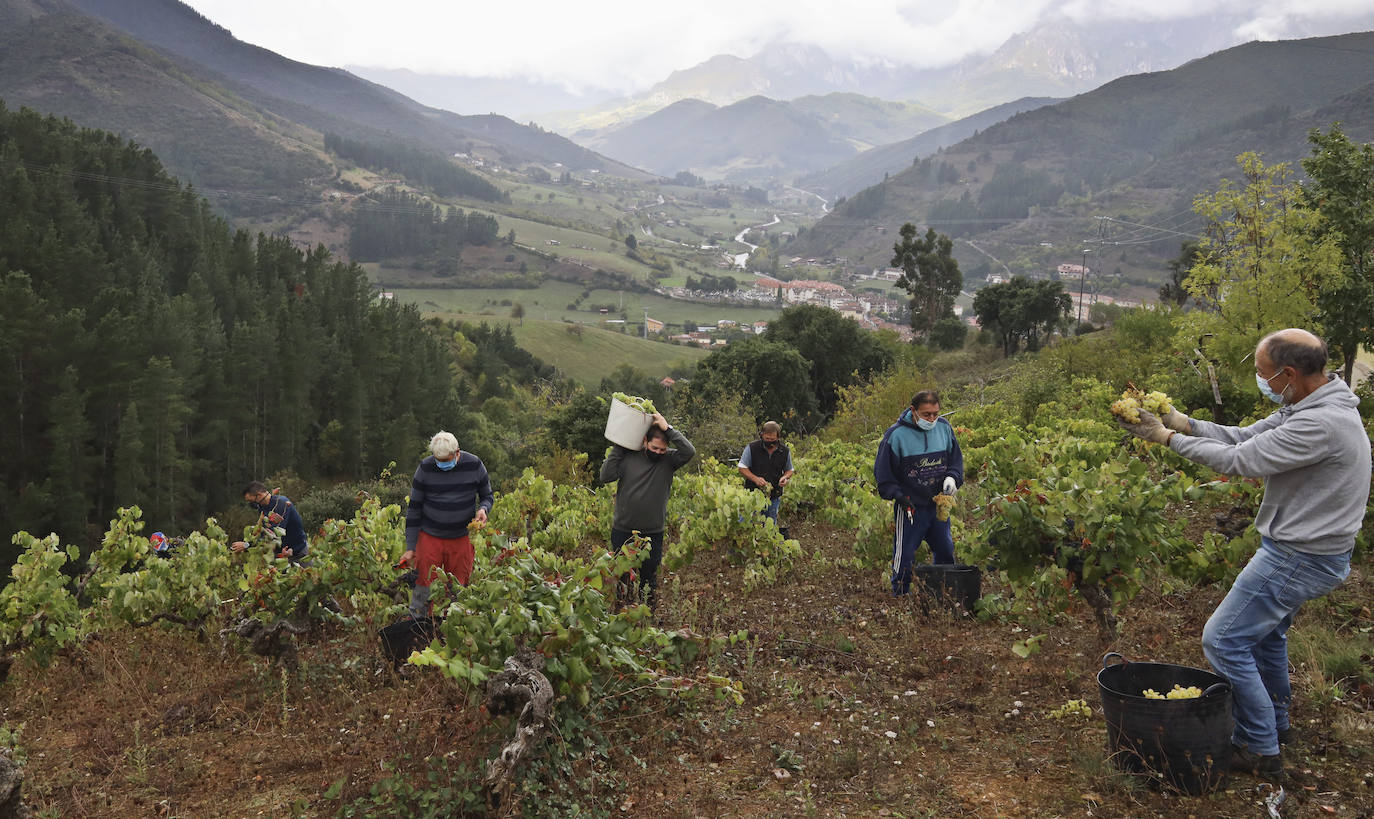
[{"x": 1172, "y": 722}]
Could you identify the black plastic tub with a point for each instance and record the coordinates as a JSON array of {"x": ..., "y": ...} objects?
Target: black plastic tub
[
  {"x": 1185, "y": 744},
  {"x": 405, "y": 636},
  {"x": 950, "y": 584}
]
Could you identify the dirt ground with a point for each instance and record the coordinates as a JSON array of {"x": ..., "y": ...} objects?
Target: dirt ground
[{"x": 856, "y": 704}]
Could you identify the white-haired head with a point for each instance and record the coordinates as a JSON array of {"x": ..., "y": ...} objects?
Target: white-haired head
[{"x": 443, "y": 445}]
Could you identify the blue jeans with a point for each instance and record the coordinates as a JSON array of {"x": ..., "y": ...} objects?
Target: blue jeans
[
  {"x": 910, "y": 533},
  {"x": 772, "y": 511},
  {"x": 1246, "y": 638}
]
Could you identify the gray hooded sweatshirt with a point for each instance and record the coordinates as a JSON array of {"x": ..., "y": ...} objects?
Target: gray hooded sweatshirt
[{"x": 1314, "y": 457}]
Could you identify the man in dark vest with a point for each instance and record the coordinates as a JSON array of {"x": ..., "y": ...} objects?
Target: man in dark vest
[{"x": 766, "y": 465}]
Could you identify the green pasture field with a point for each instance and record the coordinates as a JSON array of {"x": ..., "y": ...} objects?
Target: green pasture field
[
  {"x": 550, "y": 300},
  {"x": 593, "y": 354}
]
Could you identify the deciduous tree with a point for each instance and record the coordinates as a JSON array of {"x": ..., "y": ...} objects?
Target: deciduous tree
[
  {"x": 930, "y": 276},
  {"x": 1342, "y": 191},
  {"x": 838, "y": 351},
  {"x": 1262, "y": 262}
]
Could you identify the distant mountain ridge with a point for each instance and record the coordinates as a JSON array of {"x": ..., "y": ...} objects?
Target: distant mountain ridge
[
  {"x": 759, "y": 138},
  {"x": 1057, "y": 58},
  {"x": 72, "y": 65},
  {"x": 753, "y": 138},
  {"x": 1138, "y": 148}
]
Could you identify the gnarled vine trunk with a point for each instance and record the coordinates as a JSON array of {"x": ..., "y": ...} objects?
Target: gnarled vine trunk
[
  {"x": 11, "y": 783},
  {"x": 273, "y": 641},
  {"x": 521, "y": 686}
]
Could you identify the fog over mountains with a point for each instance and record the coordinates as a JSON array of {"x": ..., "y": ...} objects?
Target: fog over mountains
[{"x": 1056, "y": 58}]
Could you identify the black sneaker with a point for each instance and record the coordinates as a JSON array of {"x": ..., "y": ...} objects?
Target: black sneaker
[
  {"x": 1286, "y": 735},
  {"x": 1245, "y": 760}
]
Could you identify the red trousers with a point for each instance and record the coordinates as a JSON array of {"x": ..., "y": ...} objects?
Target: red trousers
[{"x": 454, "y": 555}]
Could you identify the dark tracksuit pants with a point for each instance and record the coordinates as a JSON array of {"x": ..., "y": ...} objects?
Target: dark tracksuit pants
[{"x": 910, "y": 533}]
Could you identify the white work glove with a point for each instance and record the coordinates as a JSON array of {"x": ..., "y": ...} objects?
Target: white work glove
[
  {"x": 950, "y": 486},
  {"x": 1178, "y": 422},
  {"x": 1149, "y": 428}
]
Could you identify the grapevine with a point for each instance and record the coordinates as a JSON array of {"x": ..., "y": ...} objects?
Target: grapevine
[
  {"x": 563, "y": 608},
  {"x": 730, "y": 518},
  {"x": 38, "y": 615},
  {"x": 834, "y": 484}
]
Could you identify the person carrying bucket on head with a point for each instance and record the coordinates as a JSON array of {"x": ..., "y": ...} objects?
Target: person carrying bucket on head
[
  {"x": 644, "y": 480},
  {"x": 919, "y": 458}
]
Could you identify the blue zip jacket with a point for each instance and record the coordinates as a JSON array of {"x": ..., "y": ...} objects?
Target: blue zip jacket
[{"x": 914, "y": 463}]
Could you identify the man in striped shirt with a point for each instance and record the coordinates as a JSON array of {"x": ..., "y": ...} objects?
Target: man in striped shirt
[{"x": 449, "y": 492}]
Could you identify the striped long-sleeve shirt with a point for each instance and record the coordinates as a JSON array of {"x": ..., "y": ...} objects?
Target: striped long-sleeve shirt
[{"x": 444, "y": 502}]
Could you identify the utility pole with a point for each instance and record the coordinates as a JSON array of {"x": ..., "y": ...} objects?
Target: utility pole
[{"x": 1082, "y": 280}]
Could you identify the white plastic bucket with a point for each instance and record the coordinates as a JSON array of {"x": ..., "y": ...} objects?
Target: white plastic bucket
[{"x": 626, "y": 425}]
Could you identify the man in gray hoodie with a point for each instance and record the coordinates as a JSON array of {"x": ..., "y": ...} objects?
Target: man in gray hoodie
[
  {"x": 641, "y": 499},
  {"x": 1315, "y": 458}
]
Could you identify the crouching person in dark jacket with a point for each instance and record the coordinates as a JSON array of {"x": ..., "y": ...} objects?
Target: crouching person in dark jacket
[
  {"x": 277, "y": 512},
  {"x": 918, "y": 459}
]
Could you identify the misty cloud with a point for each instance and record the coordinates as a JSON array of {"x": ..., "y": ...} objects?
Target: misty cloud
[{"x": 627, "y": 46}]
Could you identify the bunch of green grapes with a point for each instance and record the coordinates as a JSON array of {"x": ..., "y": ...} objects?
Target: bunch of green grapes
[
  {"x": 634, "y": 401},
  {"x": 1072, "y": 708},
  {"x": 1178, "y": 692},
  {"x": 943, "y": 505},
  {"x": 1127, "y": 409},
  {"x": 1132, "y": 401},
  {"x": 1157, "y": 403}
]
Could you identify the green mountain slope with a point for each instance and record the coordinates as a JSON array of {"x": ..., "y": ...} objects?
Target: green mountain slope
[
  {"x": 1136, "y": 150},
  {"x": 753, "y": 138},
  {"x": 329, "y": 98},
  {"x": 869, "y": 121},
  {"x": 74, "y": 66},
  {"x": 871, "y": 166}
]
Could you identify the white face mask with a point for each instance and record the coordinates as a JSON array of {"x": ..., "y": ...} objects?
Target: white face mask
[
  {"x": 925, "y": 425},
  {"x": 1263, "y": 384}
]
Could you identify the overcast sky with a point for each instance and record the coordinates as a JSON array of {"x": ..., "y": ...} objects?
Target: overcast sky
[{"x": 627, "y": 45}]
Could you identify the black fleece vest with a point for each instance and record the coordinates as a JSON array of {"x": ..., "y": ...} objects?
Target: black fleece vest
[{"x": 766, "y": 466}]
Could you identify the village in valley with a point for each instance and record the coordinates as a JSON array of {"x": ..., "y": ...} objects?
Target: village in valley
[{"x": 861, "y": 299}]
